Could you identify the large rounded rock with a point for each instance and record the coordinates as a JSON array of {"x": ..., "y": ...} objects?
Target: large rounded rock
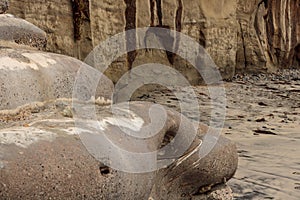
[
  {"x": 47, "y": 156},
  {"x": 51, "y": 147},
  {"x": 21, "y": 31},
  {"x": 27, "y": 76},
  {"x": 39, "y": 162}
]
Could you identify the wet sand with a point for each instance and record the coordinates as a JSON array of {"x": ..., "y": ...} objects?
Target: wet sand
[{"x": 263, "y": 118}]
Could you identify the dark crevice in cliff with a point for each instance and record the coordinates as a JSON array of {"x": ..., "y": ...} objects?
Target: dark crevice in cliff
[
  {"x": 178, "y": 19},
  {"x": 159, "y": 12},
  {"x": 130, "y": 17},
  {"x": 152, "y": 5},
  {"x": 257, "y": 21},
  {"x": 80, "y": 9},
  {"x": 202, "y": 39},
  {"x": 297, "y": 54},
  {"x": 86, "y": 10},
  {"x": 244, "y": 46},
  {"x": 271, "y": 31},
  {"x": 178, "y": 23},
  {"x": 269, "y": 27},
  {"x": 166, "y": 39},
  {"x": 282, "y": 40},
  {"x": 295, "y": 37},
  {"x": 178, "y": 27},
  {"x": 130, "y": 14},
  {"x": 295, "y": 31}
]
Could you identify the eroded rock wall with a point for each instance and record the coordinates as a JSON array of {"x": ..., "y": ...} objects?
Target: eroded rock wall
[
  {"x": 241, "y": 36},
  {"x": 283, "y": 31},
  {"x": 268, "y": 34}
]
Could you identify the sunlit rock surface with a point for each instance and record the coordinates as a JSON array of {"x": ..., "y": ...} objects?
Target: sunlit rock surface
[{"x": 241, "y": 36}]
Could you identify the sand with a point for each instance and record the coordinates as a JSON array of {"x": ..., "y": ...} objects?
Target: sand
[{"x": 263, "y": 118}]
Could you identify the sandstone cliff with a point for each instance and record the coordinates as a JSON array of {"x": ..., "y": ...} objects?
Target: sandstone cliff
[
  {"x": 240, "y": 36},
  {"x": 268, "y": 34}
]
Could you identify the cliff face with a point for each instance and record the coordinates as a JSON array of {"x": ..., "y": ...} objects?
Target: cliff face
[
  {"x": 250, "y": 36},
  {"x": 268, "y": 34},
  {"x": 55, "y": 17},
  {"x": 283, "y": 31}
]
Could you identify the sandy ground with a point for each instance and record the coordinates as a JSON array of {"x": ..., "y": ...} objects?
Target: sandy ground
[{"x": 263, "y": 118}]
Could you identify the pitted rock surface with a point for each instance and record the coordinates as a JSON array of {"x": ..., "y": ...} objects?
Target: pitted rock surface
[
  {"x": 40, "y": 76},
  {"x": 43, "y": 157},
  {"x": 22, "y": 32}
]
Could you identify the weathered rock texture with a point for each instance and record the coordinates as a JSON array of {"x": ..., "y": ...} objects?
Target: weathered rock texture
[
  {"x": 45, "y": 158},
  {"x": 56, "y": 19},
  {"x": 269, "y": 34},
  {"x": 250, "y": 36},
  {"x": 3, "y": 6},
  {"x": 40, "y": 76},
  {"x": 19, "y": 31}
]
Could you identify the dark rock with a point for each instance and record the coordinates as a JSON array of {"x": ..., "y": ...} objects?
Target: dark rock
[
  {"x": 3, "y": 6},
  {"x": 267, "y": 132},
  {"x": 262, "y": 104},
  {"x": 261, "y": 120}
]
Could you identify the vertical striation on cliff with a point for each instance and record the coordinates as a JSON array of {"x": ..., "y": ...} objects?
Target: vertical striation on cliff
[
  {"x": 241, "y": 36},
  {"x": 283, "y": 31},
  {"x": 130, "y": 18},
  {"x": 269, "y": 34}
]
